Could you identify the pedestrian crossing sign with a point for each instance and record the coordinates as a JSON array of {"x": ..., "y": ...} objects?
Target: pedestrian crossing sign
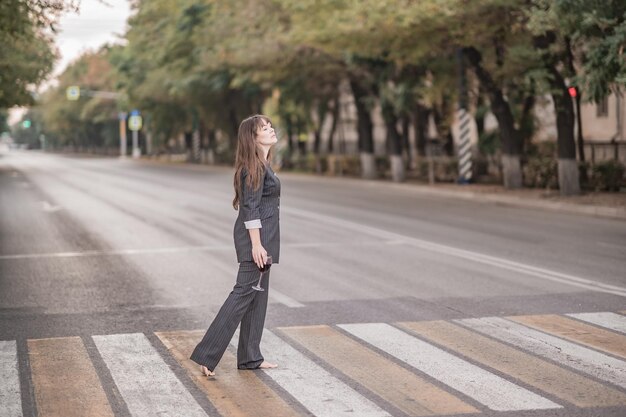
[
  {"x": 73, "y": 92},
  {"x": 134, "y": 122}
]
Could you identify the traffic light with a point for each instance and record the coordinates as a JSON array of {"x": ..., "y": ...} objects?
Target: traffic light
[{"x": 26, "y": 124}]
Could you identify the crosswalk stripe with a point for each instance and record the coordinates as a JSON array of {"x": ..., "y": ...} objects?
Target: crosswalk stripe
[
  {"x": 64, "y": 379},
  {"x": 488, "y": 389},
  {"x": 405, "y": 390},
  {"x": 535, "y": 372},
  {"x": 147, "y": 384},
  {"x": 10, "y": 394},
  {"x": 567, "y": 353},
  {"x": 311, "y": 385},
  {"x": 577, "y": 332},
  {"x": 609, "y": 320},
  {"x": 234, "y": 393}
]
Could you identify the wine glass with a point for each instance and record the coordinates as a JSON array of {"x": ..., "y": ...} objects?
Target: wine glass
[{"x": 263, "y": 269}]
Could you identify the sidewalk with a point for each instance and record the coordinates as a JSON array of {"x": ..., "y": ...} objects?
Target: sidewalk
[{"x": 600, "y": 204}]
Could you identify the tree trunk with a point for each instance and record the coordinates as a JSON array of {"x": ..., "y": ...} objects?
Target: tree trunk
[
  {"x": 322, "y": 110},
  {"x": 234, "y": 125},
  {"x": 394, "y": 143},
  {"x": 421, "y": 128},
  {"x": 212, "y": 139},
  {"x": 569, "y": 182},
  {"x": 443, "y": 128},
  {"x": 333, "y": 126},
  {"x": 368, "y": 165},
  {"x": 365, "y": 130},
  {"x": 511, "y": 141},
  {"x": 527, "y": 122},
  {"x": 406, "y": 143}
]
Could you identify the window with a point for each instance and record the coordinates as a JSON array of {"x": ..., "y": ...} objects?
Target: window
[{"x": 602, "y": 107}]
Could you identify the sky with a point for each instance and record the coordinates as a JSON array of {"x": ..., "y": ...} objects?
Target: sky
[{"x": 97, "y": 22}]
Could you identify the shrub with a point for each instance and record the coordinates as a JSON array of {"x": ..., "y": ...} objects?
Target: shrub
[
  {"x": 607, "y": 175},
  {"x": 541, "y": 172}
]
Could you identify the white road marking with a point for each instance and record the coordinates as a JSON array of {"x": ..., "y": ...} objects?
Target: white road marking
[
  {"x": 611, "y": 321},
  {"x": 483, "y": 386},
  {"x": 10, "y": 397},
  {"x": 147, "y": 251},
  {"x": 598, "y": 364},
  {"x": 145, "y": 381},
  {"x": 279, "y": 297},
  {"x": 503, "y": 263},
  {"x": 314, "y": 387},
  {"x": 47, "y": 207},
  {"x": 180, "y": 249}
]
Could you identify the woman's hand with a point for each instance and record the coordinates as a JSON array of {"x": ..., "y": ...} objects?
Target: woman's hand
[{"x": 259, "y": 254}]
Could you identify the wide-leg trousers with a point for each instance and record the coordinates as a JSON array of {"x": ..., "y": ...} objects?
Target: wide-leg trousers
[{"x": 246, "y": 306}]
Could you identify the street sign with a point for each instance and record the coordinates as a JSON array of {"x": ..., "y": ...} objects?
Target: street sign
[
  {"x": 73, "y": 92},
  {"x": 134, "y": 122}
]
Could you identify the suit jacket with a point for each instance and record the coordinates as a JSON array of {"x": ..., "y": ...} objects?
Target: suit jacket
[{"x": 263, "y": 204}]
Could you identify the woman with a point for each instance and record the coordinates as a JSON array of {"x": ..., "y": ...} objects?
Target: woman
[{"x": 257, "y": 236}]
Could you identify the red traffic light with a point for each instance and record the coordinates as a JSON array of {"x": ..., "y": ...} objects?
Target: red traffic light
[{"x": 572, "y": 91}]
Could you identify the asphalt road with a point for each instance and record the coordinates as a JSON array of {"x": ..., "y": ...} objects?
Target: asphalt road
[{"x": 115, "y": 263}]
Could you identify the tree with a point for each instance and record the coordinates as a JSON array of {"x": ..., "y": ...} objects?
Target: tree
[
  {"x": 90, "y": 121},
  {"x": 582, "y": 45},
  {"x": 27, "y": 54}
]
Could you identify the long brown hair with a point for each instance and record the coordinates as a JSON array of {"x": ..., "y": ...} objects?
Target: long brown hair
[{"x": 249, "y": 156}]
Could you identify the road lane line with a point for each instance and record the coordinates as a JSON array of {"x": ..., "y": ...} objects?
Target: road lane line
[
  {"x": 561, "y": 351},
  {"x": 147, "y": 251},
  {"x": 234, "y": 393},
  {"x": 535, "y": 372},
  {"x": 503, "y": 263},
  {"x": 608, "y": 320},
  {"x": 396, "y": 385},
  {"x": 65, "y": 381},
  {"x": 145, "y": 381},
  {"x": 576, "y": 331},
  {"x": 47, "y": 207},
  {"x": 488, "y": 389},
  {"x": 311, "y": 385},
  {"x": 279, "y": 297},
  {"x": 180, "y": 249},
  {"x": 10, "y": 394}
]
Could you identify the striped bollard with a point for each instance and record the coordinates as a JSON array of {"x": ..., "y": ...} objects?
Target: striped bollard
[
  {"x": 195, "y": 146},
  {"x": 465, "y": 148}
]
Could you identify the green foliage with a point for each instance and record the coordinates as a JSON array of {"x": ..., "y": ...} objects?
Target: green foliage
[
  {"x": 595, "y": 31},
  {"x": 607, "y": 175},
  {"x": 488, "y": 142},
  {"x": 541, "y": 168},
  {"x": 89, "y": 121},
  {"x": 541, "y": 171},
  {"x": 26, "y": 53}
]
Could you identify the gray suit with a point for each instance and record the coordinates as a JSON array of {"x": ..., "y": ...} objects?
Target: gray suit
[
  {"x": 263, "y": 204},
  {"x": 245, "y": 305}
]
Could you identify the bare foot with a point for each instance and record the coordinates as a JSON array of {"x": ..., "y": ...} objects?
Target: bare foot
[
  {"x": 205, "y": 371},
  {"x": 267, "y": 365}
]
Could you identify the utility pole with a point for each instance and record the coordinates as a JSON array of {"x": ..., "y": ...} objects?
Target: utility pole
[
  {"x": 134, "y": 123},
  {"x": 122, "y": 118}
]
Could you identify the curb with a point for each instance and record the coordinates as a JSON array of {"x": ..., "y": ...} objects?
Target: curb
[{"x": 615, "y": 213}]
